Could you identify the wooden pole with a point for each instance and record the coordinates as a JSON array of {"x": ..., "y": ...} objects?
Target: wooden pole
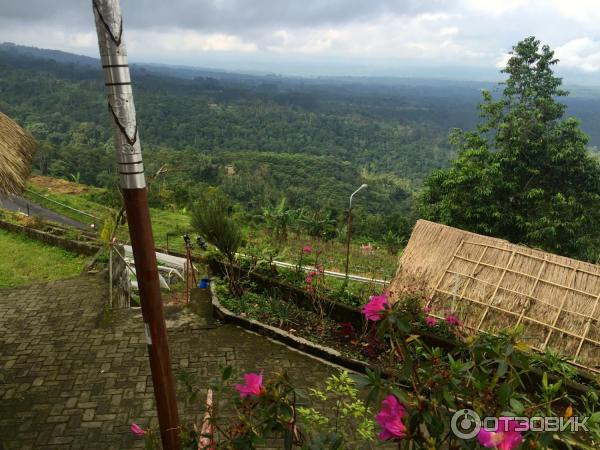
[{"x": 109, "y": 26}]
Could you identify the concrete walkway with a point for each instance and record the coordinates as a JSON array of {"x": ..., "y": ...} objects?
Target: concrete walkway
[{"x": 75, "y": 377}]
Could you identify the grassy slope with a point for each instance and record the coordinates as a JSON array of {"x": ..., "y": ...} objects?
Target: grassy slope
[
  {"x": 24, "y": 261},
  {"x": 377, "y": 264},
  {"x": 162, "y": 221}
]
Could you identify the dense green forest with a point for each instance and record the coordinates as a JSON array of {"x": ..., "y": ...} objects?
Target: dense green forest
[{"x": 258, "y": 138}]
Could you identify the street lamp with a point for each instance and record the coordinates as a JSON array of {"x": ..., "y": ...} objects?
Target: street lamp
[{"x": 349, "y": 233}]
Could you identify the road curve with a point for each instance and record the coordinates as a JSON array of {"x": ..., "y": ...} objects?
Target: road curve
[{"x": 13, "y": 203}]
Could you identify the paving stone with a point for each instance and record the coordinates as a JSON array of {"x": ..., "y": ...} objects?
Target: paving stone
[{"x": 71, "y": 380}]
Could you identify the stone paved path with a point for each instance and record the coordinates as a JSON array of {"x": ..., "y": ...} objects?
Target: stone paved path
[{"x": 73, "y": 377}]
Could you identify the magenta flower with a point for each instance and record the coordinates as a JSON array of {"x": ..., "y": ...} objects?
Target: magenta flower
[
  {"x": 389, "y": 419},
  {"x": 137, "y": 430},
  {"x": 431, "y": 321},
  {"x": 452, "y": 320},
  {"x": 504, "y": 437},
  {"x": 253, "y": 385},
  {"x": 308, "y": 279},
  {"x": 377, "y": 304},
  {"x": 307, "y": 249}
]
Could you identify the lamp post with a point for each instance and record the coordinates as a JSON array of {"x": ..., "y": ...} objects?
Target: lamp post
[
  {"x": 109, "y": 26},
  {"x": 349, "y": 233}
]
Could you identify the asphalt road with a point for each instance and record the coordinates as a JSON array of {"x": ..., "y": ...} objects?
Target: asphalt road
[{"x": 13, "y": 203}]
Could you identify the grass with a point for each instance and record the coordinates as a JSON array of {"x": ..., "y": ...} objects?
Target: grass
[
  {"x": 163, "y": 221},
  {"x": 81, "y": 201},
  {"x": 376, "y": 264},
  {"x": 24, "y": 261}
]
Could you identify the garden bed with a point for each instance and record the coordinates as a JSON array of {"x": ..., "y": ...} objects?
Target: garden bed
[{"x": 286, "y": 313}]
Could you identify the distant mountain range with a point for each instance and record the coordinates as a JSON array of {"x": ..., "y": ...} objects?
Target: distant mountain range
[{"x": 452, "y": 102}]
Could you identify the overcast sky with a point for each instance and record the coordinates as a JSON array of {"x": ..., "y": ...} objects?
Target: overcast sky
[{"x": 353, "y": 37}]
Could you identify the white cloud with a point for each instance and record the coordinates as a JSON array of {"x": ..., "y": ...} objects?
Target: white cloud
[
  {"x": 583, "y": 11},
  {"x": 496, "y": 7},
  {"x": 582, "y": 53},
  {"x": 51, "y": 37},
  {"x": 189, "y": 41},
  {"x": 381, "y": 32},
  {"x": 393, "y": 36},
  {"x": 502, "y": 60}
]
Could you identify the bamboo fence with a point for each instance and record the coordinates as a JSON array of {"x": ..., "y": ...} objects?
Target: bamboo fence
[{"x": 491, "y": 284}]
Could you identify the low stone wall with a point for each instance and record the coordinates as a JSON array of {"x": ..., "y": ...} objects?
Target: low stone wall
[
  {"x": 80, "y": 248},
  {"x": 203, "y": 297}
]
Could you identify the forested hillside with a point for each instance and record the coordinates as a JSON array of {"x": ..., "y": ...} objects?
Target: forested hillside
[{"x": 259, "y": 138}]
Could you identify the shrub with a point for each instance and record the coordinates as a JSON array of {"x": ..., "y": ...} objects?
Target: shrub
[{"x": 212, "y": 217}]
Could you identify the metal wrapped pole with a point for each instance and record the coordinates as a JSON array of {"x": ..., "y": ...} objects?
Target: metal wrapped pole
[{"x": 109, "y": 26}]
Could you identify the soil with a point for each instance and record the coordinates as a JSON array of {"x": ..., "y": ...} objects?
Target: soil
[{"x": 58, "y": 185}]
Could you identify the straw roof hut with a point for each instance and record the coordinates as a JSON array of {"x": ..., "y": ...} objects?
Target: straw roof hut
[
  {"x": 492, "y": 284},
  {"x": 16, "y": 152}
]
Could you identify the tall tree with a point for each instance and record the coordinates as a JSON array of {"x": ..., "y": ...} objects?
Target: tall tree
[{"x": 524, "y": 174}]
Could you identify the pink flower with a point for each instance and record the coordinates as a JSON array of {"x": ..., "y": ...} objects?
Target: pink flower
[
  {"x": 389, "y": 419},
  {"x": 431, "y": 321},
  {"x": 504, "y": 437},
  {"x": 452, "y": 320},
  {"x": 427, "y": 309},
  {"x": 253, "y": 385},
  {"x": 377, "y": 304},
  {"x": 307, "y": 249},
  {"x": 137, "y": 430},
  {"x": 308, "y": 279}
]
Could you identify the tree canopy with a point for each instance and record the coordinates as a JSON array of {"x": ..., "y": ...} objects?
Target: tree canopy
[{"x": 524, "y": 174}]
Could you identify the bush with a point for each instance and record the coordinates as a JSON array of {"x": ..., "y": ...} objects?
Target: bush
[{"x": 212, "y": 217}]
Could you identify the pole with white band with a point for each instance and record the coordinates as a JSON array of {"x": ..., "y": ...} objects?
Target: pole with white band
[{"x": 109, "y": 26}]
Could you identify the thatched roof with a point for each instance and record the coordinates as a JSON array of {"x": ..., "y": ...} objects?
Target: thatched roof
[
  {"x": 16, "y": 152},
  {"x": 492, "y": 284}
]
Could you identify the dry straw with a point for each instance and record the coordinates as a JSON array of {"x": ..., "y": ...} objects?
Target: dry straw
[
  {"x": 492, "y": 284},
  {"x": 16, "y": 152}
]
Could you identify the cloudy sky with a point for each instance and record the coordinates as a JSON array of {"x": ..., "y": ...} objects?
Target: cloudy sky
[{"x": 354, "y": 37}]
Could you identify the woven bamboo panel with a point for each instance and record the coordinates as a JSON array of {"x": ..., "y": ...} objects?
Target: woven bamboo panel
[{"x": 491, "y": 284}]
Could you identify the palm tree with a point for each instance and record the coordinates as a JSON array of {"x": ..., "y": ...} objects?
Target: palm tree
[
  {"x": 279, "y": 219},
  {"x": 16, "y": 153}
]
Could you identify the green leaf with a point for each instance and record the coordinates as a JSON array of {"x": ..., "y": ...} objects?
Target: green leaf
[
  {"x": 517, "y": 406},
  {"x": 594, "y": 418},
  {"x": 502, "y": 368},
  {"x": 226, "y": 373},
  {"x": 400, "y": 395},
  {"x": 504, "y": 393},
  {"x": 448, "y": 398}
]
